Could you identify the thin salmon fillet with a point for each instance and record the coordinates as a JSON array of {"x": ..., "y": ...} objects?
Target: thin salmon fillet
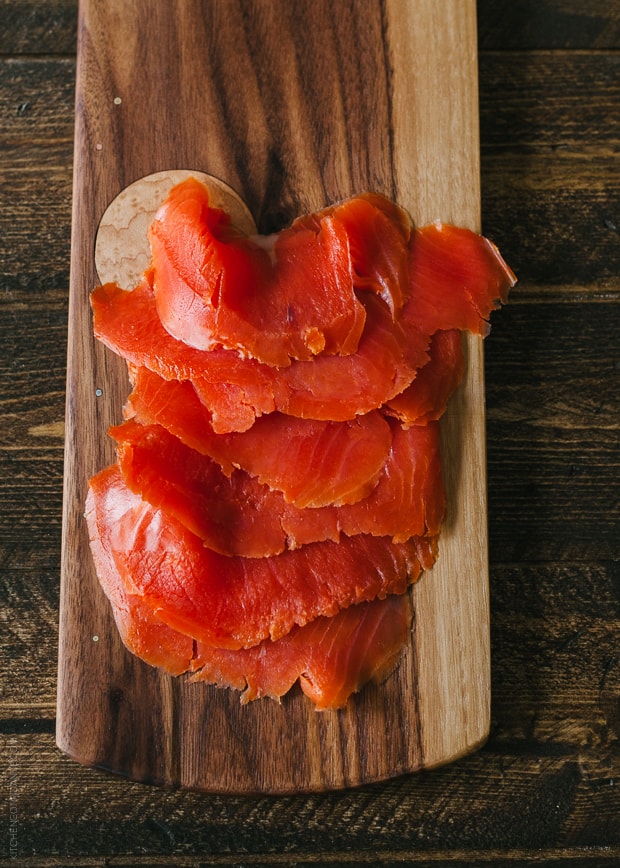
[
  {"x": 426, "y": 399},
  {"x": 379, "y": 232},
  {"x": 236, "y": 390},
  {"x": 313, "y": 463},
  {"x": 141, "y": 632},
  {"x": 331, "y": 657},
  {"x": 295, "y": 301},
  {"x": 238, "y": 602},
  {"x": 457, "y": 278},
  {"x": 236, "y": 515}
]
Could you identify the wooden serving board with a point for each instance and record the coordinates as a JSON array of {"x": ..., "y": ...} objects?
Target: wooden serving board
[{"x": 295, "y": 105}]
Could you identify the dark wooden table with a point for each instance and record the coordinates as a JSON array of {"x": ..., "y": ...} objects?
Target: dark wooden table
[{"x": 545, "y": 789}]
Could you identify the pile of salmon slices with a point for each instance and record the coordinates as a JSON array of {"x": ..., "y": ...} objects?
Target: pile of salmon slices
[{"x": 278, "y": 482}]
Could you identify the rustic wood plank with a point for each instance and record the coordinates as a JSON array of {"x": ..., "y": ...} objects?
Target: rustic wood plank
[
  {"x": 533, "y": 102},
  {"x": 556, "y": 672},
  {"x": 36, "y": 102},
  {"x": 568, "y": 857},
  {"x": 32, "y": 421},
  {"x": 35, "y": 27},
  {"x": 550, "y": 172},
  {"x": 29, "y": 585},
  {"x": 555, "y": 218},
  {"x": 552, "y": 427},
  {"x": 563, "y": 425},
  {"x": 548, "y": 24},
  {"x": 525, "y": 800}
]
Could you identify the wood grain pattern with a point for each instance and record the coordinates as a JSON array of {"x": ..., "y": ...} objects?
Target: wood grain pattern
[{"x": 335, "y": 100}]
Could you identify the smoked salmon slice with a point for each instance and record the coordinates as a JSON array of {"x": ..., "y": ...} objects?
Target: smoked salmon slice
[
  {"x": 331, "y": 657},
  {"x": 378, "y": 232},
  {"x": 313, "y": 463},
  {"x": 142, "y": 633},
  {"x": 238, "y": 602},
  {"x": 236, "y": 390},
  {"x": 427, "y": 397},
  {"x": 237, "y": 515},
  {"x": 457, "y": 278},
  {"x": 295, "y": 301}
]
